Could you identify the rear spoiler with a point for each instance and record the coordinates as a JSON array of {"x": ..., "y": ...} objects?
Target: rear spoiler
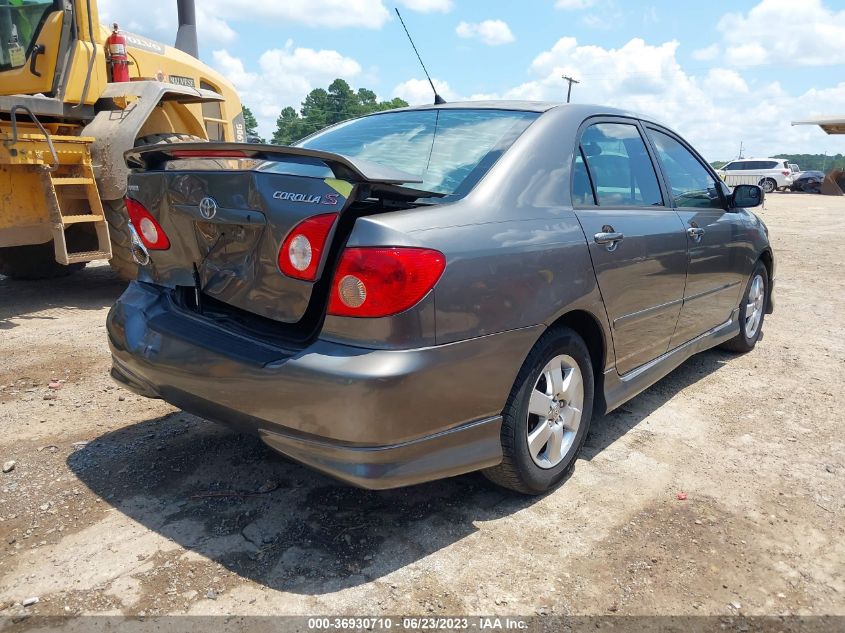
[
  {"x": 150, "y": 157},
  {"x": 382, "y": 179}
]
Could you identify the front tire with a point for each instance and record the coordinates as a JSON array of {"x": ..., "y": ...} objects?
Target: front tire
[
  {"x": 752, "y": 312},
  {"x": 547, "y": 415}
]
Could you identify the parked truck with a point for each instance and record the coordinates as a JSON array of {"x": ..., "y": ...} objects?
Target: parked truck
[{"x": 74, "y": 96}]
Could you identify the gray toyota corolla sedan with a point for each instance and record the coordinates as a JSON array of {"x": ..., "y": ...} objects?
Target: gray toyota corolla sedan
[{"x": 425, "y": 292}]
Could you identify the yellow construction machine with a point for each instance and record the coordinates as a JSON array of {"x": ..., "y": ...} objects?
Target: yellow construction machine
[{"x": 65, "y": 124}]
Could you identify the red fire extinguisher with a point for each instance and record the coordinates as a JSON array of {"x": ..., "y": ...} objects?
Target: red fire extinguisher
[{"x": 116, "y": 54}]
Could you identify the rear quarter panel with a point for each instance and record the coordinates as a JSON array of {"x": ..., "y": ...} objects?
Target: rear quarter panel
[{"x": 516, "y": 254}]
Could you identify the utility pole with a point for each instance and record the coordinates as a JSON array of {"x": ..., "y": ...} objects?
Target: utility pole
[
  {"x": 740, "y": 150},
  {"x": 569, "y": 90}
]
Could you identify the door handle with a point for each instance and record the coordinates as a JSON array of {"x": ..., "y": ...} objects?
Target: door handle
[
  {"x": 38, "y": 50},
  {"x": 608, "y": 238},
  {"x": 695, "y": 233}
]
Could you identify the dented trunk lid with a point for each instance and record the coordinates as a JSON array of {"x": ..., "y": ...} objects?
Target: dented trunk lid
[{"x": 228, "y": 208}]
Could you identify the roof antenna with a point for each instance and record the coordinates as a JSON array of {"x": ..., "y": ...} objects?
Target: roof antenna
[{"x": 438, "y": 100}]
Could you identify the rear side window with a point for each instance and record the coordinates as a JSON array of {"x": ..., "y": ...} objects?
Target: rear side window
[
  {"x": 449, "y": 149},
  {"x": 769, "y": 164},
  {"x": 690, "y": 182},
  {"x": 582, "y": 191},
  {"x": 620, "y": 167}
]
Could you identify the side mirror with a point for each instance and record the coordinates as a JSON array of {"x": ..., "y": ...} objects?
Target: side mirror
[{"x": 745, "y": 196}]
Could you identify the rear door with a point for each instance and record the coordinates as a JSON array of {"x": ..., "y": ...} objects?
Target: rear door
[
  {"x": 636, "y": 241},
  {"x": 717, "y": 239}
]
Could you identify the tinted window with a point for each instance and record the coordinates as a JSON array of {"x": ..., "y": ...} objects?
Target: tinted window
[
  {"x": 729, "y": 166},
  {"x": 582, "y": 192},
  {"x": 449, "y": 149},
  {"x": 690, "y": 182},
  {"x": 768, "y": 164},
  {"x": 20, "y": 23},
  {"x": 620, "y": 166}
]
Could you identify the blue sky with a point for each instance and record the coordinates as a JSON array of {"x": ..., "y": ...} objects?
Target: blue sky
[{"x": 718, "y": 72}]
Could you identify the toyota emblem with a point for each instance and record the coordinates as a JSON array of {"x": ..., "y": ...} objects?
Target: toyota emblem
[{"x": 208, "y": 208}]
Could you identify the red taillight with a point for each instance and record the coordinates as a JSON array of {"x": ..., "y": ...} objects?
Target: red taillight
[
  {"x": 208, "y": 153},
  {"x": 786, "y": 173},
  {"x": 300, "y": 254},
  {"x": 380, "y": 281},
  {"x": 148, "y": 229}
]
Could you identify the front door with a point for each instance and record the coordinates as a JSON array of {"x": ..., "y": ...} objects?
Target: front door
[
  {"x": 637, "y": 243},
  {"x": 716, "y": 239}
]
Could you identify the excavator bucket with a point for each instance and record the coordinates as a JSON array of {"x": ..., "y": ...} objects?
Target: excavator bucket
[{"x": 834, "y": 183}]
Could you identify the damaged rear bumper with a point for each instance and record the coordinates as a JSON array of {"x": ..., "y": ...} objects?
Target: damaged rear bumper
[{"x": 375, "y": 418}]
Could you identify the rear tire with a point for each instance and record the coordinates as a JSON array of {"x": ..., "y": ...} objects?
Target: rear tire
[
  {"x": 533, "y": 467},
  {"x": 769, "y": 185},
  {"x": 752, "y": 312},
  {"x": 121, "y": 237},
  {"x": 35, "y": 261}
]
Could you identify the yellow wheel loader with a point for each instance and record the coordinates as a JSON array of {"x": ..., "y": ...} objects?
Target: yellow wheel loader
[{"x": 64, "y": 126}]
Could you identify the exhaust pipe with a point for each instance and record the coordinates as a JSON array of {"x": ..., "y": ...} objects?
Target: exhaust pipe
[{"x": 186, "y": 36}]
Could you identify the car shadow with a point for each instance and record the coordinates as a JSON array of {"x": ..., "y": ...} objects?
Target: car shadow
[
  {"x": 95, "y": 287},
  {"x": 606, "y": 429},
  {"x": 229, "y": 498}
]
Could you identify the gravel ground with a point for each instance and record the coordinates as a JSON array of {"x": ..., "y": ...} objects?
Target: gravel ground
[{"x": 121, "y": 505}]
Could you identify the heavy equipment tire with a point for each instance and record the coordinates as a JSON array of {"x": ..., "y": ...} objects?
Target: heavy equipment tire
[
  {"x": 532, "y": 471},
  {"x": 121, "y": 238},
  {"x": 36, "y": 261}
]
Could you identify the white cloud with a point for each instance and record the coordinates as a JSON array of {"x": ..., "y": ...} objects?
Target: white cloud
[
  {"x": 428, "y": 6},
  {"x": 491, "y": 32},
  {"x": 283, "y": 77},
  {"x": 370, "y": 14},
  {"x": 707, "y": 53},
  {"x": 714, "y": 111},
  {"x": 572, "y": 5},
  {"x": 781, "y": 31},
  {"x": 157, "y": 18},
  {"x": 418, "y": 91},
  {"x": 724, "y": 80}
]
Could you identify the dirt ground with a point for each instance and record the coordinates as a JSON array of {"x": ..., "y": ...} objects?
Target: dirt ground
[{"x": 122, "y": 505}]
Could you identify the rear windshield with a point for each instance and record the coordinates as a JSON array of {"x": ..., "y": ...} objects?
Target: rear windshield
[{"x": 449, "y": 149}]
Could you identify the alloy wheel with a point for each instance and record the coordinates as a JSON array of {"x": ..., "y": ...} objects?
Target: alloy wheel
[
  {"x": 754, "y": 306},
  {"x": 555, "y": 411}
]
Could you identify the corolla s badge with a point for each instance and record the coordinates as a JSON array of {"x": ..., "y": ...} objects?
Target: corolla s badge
[{"x": 208, "y": 208}]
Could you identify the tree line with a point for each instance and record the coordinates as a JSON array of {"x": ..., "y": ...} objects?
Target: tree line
[{"x": 322, "y": 107}]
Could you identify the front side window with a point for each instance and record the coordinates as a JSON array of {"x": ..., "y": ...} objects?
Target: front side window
[
  {"x": 20, "y": 22},
  {"x": 620, "y": 166},
  {"x": 449, "y": 149},
  {"x": 689, "y": 181}
]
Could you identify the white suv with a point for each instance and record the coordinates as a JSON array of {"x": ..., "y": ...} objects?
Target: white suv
[{"x": 769, "y": 173}]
